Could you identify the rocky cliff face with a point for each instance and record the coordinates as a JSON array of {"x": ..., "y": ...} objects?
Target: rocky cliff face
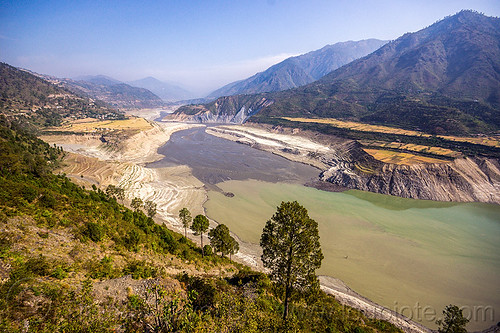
[
  {"x": 225, "y": 110},
  {"x": 463, "y": 180}
]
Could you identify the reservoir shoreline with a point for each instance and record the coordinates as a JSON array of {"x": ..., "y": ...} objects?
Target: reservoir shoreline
[
  {"x": 250, "y": 250},
  {"x": 250, "y": 253},
  {"x": 159, "y": 174}
]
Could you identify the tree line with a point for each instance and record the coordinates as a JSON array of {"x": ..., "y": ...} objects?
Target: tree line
[
  {"x": 291, "y": 251},
  {"x": 220, "y": 238}
]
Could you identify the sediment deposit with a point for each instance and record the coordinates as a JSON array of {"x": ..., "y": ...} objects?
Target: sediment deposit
[{"x": 346, "y": 165}]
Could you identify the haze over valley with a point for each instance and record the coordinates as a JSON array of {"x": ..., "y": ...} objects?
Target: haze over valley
[{"x": 263, "y": 166}]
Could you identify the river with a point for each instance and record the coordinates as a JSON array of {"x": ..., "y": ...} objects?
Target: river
[{"x": 412, "y": 256}]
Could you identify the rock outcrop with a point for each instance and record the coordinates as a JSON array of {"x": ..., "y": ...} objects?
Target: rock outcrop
[
  {"x": 225, "y": 110},
  {"x": 462, "y": 180}
]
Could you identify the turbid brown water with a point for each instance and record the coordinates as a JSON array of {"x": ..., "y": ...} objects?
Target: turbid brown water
[
  {"x": 214, "y": 160},
  {"x": 409, "y": 255}
]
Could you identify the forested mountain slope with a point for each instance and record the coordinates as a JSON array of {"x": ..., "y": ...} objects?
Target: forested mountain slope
[{"x": 29, "y": 97}]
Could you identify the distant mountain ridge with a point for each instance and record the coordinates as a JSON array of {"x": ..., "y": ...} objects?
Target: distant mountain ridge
[
  {"x": 113, "y": 92},
  {"x": 167, "y": 91},
  {"x": 442, "y": 79},
  {"x": 301, "y": 70},
  {"x": 98, "y": 79}
]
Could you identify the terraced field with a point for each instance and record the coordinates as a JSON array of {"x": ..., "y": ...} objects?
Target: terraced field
[
  {"x": 400, "y": 146},
  {"x": 394, "y": 157},
  {"x": 359, "y": 126},
  {"x": 492, "y": 141},
  {"x": 90, "y": 125},
  {"x": 411, "y": 147}
]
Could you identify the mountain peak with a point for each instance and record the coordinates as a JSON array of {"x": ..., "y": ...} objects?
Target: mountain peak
[
  {"x": 468, "y": 14},
  {"x": 301, "y": 70},
  {"x": 149, "y": 79},
  {"x": 467, "y": 18}
]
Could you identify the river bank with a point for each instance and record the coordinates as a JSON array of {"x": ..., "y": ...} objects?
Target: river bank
[
  {"x": 174, "y": 187},
  {"x": 346, "y": 165},
  {"x": 90, "y": 162}
]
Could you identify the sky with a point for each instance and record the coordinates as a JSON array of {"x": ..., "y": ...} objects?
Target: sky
[{"x": 201, "y": 45}]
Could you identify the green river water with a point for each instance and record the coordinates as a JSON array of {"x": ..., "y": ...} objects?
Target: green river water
[{"x": 408, "y": 255}]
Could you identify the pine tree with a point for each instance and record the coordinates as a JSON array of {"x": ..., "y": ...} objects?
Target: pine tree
[
  {"x": 453, "y": 321},
  {"x": 199, "y": 226},
  {"x": 136, "y": 203},
  {"x": 222, "y": 241},
  {"x": 185, "y": 216},
  {"x": 291, "y": 250},
  {"x": 150, "y": 207}
]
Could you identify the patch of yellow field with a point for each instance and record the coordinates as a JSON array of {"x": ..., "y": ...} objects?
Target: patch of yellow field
[
  {"x": 89, "y": 125},
  {"x": 358, "y": 126},
  {"x": 493, "y": 141},
  {"x": 412, "y": 147},
  {"x": 394, "y": 157}
]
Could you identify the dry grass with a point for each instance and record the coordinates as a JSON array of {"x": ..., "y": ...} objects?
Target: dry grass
[
  {"x": 90, "y": 125},
  {"x": 492, "y": 141},
  {"x": 394, "y": 157},
  {"x": 358, "y": 126},
  {"x": 412, "y": 147}
]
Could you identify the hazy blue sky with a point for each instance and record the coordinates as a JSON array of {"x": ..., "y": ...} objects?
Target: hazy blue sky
[{"x": 201, "y": 44}]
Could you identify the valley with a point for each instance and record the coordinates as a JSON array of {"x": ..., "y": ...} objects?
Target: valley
[
  {"x": 181, "y": 167},
  {"x": 410, "y": 247},
  {"x": 198, "y": 168}
]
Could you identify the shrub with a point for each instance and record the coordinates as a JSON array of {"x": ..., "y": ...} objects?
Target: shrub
[
  {"x": 48, "y": 200},
  {"x": 5, "y": 243},
  {"x": 187, "y": 254},
  {"x": 204, "y": 291},
  {"x": 102, "y": 269},
  {"x": 139, "y": 269},
  {"x": 38, "y": 266},
  {"x": 59, "y": 273},
  {"x": 94, "y": 231},
  {"x": 132, "y": 240},
  {"x": 29, "y": 193},
  {"x": 207, "y": 249},
  {"x": 247, "y": 276}
]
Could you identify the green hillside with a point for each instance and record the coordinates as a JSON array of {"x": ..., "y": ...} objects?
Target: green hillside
[
  {"x": 443, "y": 79},
  {"x": 76, "y": 260},
  {"x": 26, "y": 97}
]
